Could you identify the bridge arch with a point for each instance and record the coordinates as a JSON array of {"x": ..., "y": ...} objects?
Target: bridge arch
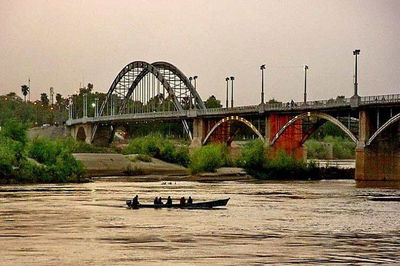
[
  {"x": 388, "y": 123},
  {"x": 174, "y": 83},
  {"x": 313, "y": 114},
  {"x": 233, "y": 118},
  {"x": 81, "y": 134}
]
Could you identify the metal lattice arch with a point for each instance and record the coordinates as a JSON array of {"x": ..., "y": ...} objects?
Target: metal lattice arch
[
  {"x": 233, "y": 118},
  {"x": 139, "y": 84},
  {"x": 314, "y": 114}
]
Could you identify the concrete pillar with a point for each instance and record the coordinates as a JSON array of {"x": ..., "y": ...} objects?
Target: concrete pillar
[
  {"x": 199, "y": 133},
  {"x": 379, "y": 163}
]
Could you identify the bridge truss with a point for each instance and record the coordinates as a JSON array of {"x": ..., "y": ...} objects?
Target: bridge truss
[{"x": 141, "y": 87}]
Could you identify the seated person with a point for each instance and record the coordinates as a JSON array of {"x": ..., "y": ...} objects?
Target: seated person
[
  {"x": 135, "y": 201},
  {"x": 190, "y": 200},
  {"x": 155, "y": 200},
  {"x": 182, "y": 201},
  {"x": 169, "y": 200},
  {"x": 160, "y": 201}
]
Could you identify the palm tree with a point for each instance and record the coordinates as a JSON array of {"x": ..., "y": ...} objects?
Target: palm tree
[{"x": 25, "y": 90}]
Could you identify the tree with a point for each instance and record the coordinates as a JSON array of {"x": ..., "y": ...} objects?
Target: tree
[
  {"x": 25, "y": 90},
  {"x": 212, "y": 102},
  {"x": 44, "y": 99},
  {"x": 59, "y": 99}
]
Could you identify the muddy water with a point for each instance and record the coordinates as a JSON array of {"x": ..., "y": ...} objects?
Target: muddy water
[{"x": 285, "y": 222}]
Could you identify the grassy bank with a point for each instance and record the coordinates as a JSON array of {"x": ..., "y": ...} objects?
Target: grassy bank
[{"x": 52, "y": 159}]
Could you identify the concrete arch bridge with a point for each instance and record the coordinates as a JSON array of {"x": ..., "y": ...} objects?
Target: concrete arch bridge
[{"x": 161, "y": 92}]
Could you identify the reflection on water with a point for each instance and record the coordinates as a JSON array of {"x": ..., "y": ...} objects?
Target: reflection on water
[{"x": 281, "y": 222}]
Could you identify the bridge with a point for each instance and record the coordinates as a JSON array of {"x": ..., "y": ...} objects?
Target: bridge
[{"x": 161, "y": 92}]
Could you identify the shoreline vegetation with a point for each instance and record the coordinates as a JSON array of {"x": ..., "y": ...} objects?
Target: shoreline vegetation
[{"x": 62, "y": 160}]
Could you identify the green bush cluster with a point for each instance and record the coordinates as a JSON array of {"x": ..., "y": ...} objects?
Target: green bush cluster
[
  {"x": 55, "y": 162},
  {"x": 342, "y": 148},
  {"x": 161, "y": 148},
  {"x": 256, "y": 162},
  {"x": 208, "y": 158}
]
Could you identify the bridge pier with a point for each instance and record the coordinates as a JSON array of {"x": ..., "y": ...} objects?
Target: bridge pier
[
  {"x": 199, "y": 133},
  {"x": 82, "y": 132},
  {"x": 379, "y": 162}
]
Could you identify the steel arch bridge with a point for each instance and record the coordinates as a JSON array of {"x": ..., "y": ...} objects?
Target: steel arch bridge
[{"x": 141, "y": 87}]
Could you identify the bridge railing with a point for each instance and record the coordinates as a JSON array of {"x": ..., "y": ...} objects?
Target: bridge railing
[{"x": 389, "y": 98}]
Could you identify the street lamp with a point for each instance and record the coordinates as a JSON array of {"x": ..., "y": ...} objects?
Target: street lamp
[
  {"x": 227, "y": 97},
  {"x": 232, "y": 79},
  {"x": 355, "y": 53},
  {"x": 262, "y": 67},
  {"x": 305, "y": 84},
  {"x": 195, "y": 77}
]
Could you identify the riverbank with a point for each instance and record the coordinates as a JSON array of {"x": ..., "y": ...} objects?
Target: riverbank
[{"x": 118, "y": 167}]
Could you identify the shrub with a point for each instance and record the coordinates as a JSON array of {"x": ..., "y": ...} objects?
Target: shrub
[
  {"x": 252, "y": 155},
  {"x": 44, "y": 151},
  {"x": 144, "y": 158},
  {"x": 207, "y": 158},
  {"x": 157, "y": 147},
  {"x": 15, "y": 130}
]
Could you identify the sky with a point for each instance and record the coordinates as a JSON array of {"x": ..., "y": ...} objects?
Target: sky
[{"x": 63, "y": 44}]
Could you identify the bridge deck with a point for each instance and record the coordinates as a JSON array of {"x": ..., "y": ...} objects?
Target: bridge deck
[{"x": 340, "y": 104}]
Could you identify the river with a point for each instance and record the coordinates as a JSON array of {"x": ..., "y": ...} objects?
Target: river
[{"x": 268, "y": 222}]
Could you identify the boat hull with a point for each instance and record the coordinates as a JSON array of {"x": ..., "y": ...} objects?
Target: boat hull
[{"x": 196, "y": 205}]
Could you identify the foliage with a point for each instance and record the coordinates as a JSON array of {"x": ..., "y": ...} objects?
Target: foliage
[
  {"x": 15, "y": 130},
  {"x": 342, "y": 148},
  {"x": 212, "y": 102},
  {"x": 37, "y": 113},
  {"x": 208, "y": 158},
  {"x": 159, "y": 147},
  {"x": 252, "y": 155},
  {"x": 44, "y": 151},
  {"x": 144, "y": 158},
  {"x": 261, "y": 164},
  {"x": 328, "y": 129}
]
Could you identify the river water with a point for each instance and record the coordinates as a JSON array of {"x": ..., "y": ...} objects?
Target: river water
[{"x": 272, "y": 222}]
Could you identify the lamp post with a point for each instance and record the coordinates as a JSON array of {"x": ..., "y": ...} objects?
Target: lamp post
[
  {"x": 96, "y": 106},
  {"x": 355, "y": 53},
  {"x": 227, "y": 97},
  {"x": 232, "y": 79},
  {"x": 85, "y": 105},
  {"x": 194, "y": 78},
  {"x": 305, "y": 84},
  {"x": 262, "y": 67},
  {"x": 190, "y": 94}
]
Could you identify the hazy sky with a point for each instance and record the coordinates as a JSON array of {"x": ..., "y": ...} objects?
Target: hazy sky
[{"x": 63, "y": 43}]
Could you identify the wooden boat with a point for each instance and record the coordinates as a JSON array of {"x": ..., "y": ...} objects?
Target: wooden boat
[{"x": 195, "y": 205}]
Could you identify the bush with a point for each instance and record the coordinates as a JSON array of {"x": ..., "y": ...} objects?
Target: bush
[
  {"x": 144, "y": 158},
  {"x": 158, "y": 147},
  {"x": 80, "y": 146},
  {"x": 44, "y": 151},
  {"x": 207, "y": 158},
  {"x": 342, "y": 148},
  {"x": 15, "y": 130},
  {"x": 252, "y": 155}
]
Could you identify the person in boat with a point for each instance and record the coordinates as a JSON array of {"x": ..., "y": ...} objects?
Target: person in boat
[
  {"x": 182, "y": 201},
  {"x": 155, "y": 200},
  {"x": 190, "y": 200},
  {"x": 135, "y": 201},
  {"x": 160, "y": 201},
  {"x": 169, "y": 201}
]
